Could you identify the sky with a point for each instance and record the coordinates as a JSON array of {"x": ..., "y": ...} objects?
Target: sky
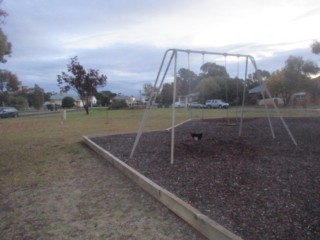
[{"x": 126, "y": 39}]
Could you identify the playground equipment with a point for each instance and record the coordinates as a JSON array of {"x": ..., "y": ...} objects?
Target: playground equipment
[{"x": 174, "y": 57}]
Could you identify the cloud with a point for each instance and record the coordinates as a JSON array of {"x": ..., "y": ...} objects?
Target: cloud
[{"x": 126, "y": 39}]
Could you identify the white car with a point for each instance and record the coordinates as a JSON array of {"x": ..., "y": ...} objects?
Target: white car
[
  {"x": 216, "y": 103},
  {"x": 195, "y": 105},
  {"x": 179, "y": 104}
]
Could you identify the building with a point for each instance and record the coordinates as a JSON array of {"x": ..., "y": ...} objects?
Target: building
[{"x": 56, "y": 99}]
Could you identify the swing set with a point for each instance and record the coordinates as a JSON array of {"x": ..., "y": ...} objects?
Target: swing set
[{"x": 174, "y": 58}]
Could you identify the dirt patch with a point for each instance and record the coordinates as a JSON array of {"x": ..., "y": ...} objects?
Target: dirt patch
[
  {"x": 96, "y": 202},
  {"x": 256, "y": 186}
]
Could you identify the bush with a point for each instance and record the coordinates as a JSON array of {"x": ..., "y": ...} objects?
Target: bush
[
  {"x": 18, "y": 102},
  {"x": 119, "y": 104},
  {"x": 68, "y": 102}
]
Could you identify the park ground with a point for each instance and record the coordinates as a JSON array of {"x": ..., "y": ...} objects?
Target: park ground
[{"x": 53, "y": 187}]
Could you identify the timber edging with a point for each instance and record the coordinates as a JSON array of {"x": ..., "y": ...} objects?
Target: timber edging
[{"x": 206, "y": 226}]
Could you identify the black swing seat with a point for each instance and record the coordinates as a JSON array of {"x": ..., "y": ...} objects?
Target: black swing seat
[{"x": 196, "y": 136}]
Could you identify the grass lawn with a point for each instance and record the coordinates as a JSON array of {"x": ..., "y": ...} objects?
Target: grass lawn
[
  {"x": 50, "y": 183},
  {"x": 38, "y": 149}
]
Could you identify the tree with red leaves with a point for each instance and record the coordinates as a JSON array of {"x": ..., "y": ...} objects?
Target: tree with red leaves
[{"x": 85, "y": 83}]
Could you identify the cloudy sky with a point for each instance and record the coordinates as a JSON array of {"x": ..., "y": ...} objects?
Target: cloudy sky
[{"x": 126, "y": 39}]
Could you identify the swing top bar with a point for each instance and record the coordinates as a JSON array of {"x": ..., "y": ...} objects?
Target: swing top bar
[{"x": 209, "y": 53}]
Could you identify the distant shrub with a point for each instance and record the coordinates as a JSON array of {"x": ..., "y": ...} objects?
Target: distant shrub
[
  {"x": 117, "y": 104},
  {"x": 19, "y": 102},
  {"x": 68, "y": 102}
]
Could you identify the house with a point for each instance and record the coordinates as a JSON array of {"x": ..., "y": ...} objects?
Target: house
[
  {"x": 56, "y": 99},
  {"x": 183, "y": 101},
  {"x": 193, "y": 97},
  {"x": 130, "y": 101}
]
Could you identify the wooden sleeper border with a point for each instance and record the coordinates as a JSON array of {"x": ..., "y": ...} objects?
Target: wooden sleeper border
[{"x": 206, "y": 226}]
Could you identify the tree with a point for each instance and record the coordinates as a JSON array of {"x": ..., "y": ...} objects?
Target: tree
[
  {"x": 5, "y": 46},
  {"x": 186, "y": 81},
  {"x": 105, "y": 97},
  {"x": 213, "y": 70},
  {"x": 315, "y": 47},
  {"x": 19, "y": 102},
  {"x": 276, "y": 84},
  {"x": 85, "y": 83},
  {"x": 148, "y": 89},
  {"x": 166, "y": 95},
  {"x": 294, "y": 77},
  {"x": 36, "y": 97},
  {"x": 209, "y": 88},
  {"x": 8, "y": 83},
  {"x": 263, "y": 73},
  {"x": 68, "y": 102}
]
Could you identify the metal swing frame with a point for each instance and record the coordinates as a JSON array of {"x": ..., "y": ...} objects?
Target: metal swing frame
[{"x": 158, "y": 85}]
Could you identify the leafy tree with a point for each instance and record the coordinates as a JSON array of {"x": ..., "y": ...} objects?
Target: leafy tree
[
  {"x": 234, "y": 90},
  {"x": 47, "y": 96},
  {"x": 296, "y": 67},
  {"x": 315, "y": 47},
  {"x": 118, "y": 104},
  {"x": 263, "y": 73},
  {"x": 294, "y": 77},
  {"x": 105, "y": 97},
  {"x": 19, "y": 102},
  {"x": 8, "y": 83},
  {"x": 36, "y": 97},
  {"x": 186, "y": 81},
  {"x": 68, "y": 102},
  {"x": 166, "y": 95},
  {"x": 5, "y": 46},
  {"x": 148, "y": 89},
  {"x": 213, "y": 70},
  {"x": 209, "y": 88},
  {"x": 85, "y": 83},
  {"x": 276, "y": 84}
]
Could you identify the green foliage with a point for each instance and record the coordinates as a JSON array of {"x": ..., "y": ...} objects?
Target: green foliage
[
  {"x": 315, "y": 47},
  {"x": 5, "y": 46},
  {"x": 166, "y": 96},
  {"x": 8, "y": 81},
  {"x": 68, "y": 102},
  {"x": 18, "y": 102},
  {"x": 294, "y": 77},
  {"x": 209, "y": 88},
  {"x": 47, "y": 96},
  {"x": 119, "y": 104},
  {"x": 214, "y": 70},
  {"x": 105, "y": 97},
  {"x": 186, "y": 81},
  {"x": 36, "y": 97},
  {"x": 148, "y": 89}
]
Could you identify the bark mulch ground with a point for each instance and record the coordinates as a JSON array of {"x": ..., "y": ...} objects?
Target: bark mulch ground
[{"x": 256, "y": 186}]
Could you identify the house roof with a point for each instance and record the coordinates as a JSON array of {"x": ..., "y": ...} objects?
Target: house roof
[
  {"x": 195, "y": 94},
  {"x": 257, "y": 89},
  {"x": 60, "y": 96}
]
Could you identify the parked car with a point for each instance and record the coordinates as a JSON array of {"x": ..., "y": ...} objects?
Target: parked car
[
  {"x": 6, "y": 112},
  {"x": 195, "y": 105},
  {"x": 179, "y": 104},
  {"x": 216, "y": 103}
]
